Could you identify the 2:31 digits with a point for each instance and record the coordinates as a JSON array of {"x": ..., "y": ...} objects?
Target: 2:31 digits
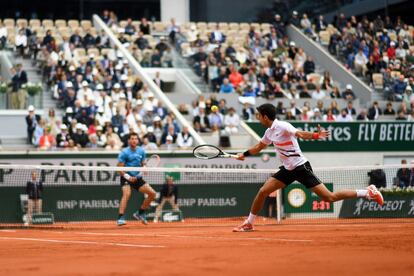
[{"x": 320, "y": 205}]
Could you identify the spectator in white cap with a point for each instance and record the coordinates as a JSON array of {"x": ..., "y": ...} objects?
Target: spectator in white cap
[
  {"x": 348, "y": 94},
  {"x": 184, "y": 138},
  {"x": 116, "y": 92},
  {"x": 69, "y": 97},
  {"x": 100, "y": 136},
  {"x": 32, "y": 120},
  {"x": 84, "y": 92},
  {"x": 150, "y": 134},
  {"x": 169, "y": 143},
  {"x": 100, "y": 116},
  {"x": 151, "y": 100},
  {"x": 79, "y": 137},
  {"x": 124, "y": 79},
  {"x": 294, "y": 20},
  {"x": 317, "y": 115},
  {"x": 62, "y": 139}
]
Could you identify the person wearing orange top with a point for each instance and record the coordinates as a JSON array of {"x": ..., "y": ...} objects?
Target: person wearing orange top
[
  {"x": 235, "y": 77},
  {"x": 47, "y": 140}
]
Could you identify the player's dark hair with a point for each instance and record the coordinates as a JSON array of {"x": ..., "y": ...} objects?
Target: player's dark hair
[
  {"x": 131, "y": 134},
  {"x": 268, "y": 110}
]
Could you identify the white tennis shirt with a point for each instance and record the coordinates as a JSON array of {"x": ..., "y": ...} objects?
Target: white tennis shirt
[{"x": 282, "y": 135}]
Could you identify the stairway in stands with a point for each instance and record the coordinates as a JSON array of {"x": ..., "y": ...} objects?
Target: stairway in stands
[{"x": 16, "y": 136}]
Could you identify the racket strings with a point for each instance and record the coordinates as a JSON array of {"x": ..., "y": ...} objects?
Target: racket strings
[{"x": 206, "y": 152}]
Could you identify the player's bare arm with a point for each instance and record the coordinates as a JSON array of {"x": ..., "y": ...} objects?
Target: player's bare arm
[
  {"x": 320, "y": 134},
  {"x": 252, "y": 151},
  {"x": 125, "y": 175}
]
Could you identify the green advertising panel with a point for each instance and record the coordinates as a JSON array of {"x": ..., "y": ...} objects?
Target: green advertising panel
[
  {"x": 356, "y": 136},
  {"x": 298, "y": 199},
  {"x": 395, "y": 206},
  {"x": 91, "y": 203}
]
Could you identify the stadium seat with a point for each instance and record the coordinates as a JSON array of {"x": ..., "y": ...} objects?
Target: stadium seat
[
  {"x": 47, "y": 23},
  {"x": 159, "y": 26},
  {"x": 86, "y": 24},
  {"x": 73, "y": 24},
  {"x": 378, "y": 81},
  {"x": 244, "y": 26},
  {"x": 34, "y": 23},
  {"x": 234, "y": 26},
  {"x": 211, "y": 25},
  {"x": 8, "y": 22},
  {"x": 223, "y": 26},
  {"x": 60, "y": 23},
  {"x": 201, "y": 26},
  {"x": 21, "y": 23},
  {"x": 325, "y": 37}
]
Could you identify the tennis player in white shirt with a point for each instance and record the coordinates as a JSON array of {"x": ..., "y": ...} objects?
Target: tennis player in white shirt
[{"x": 295, "y": 165}]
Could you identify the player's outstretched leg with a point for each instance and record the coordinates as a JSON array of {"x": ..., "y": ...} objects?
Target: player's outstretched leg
[
  {"x": 270, "y": 186},
  {"x": 150, "y": 196},
  {"x": 126, "y": 194},
  {"x": 370, "y": 193}
]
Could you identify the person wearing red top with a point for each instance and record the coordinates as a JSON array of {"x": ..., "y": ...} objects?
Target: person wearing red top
[
  {"x": 391, "y": 50},
  {"x": 235, "y": 77},
  {"x": 47, "y": 140},
  {"x": 376, "y": 53}
]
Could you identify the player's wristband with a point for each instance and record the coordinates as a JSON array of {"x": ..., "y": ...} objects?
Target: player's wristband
[
  {"x": 127, "y": 176},
  {"x": 315, "y": 136},
  {"x": 246, "y": 153}
]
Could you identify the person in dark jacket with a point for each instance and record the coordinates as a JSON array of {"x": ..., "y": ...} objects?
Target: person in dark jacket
[
  {"x": 169, "y": 193},
  {"x": 403, "y": 176},
  {"x": 378, "y": 178},
  {"x": 34, "y": 190},
  {"x": 32, "y": 120}
]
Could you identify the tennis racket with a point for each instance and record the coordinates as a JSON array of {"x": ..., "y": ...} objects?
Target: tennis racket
[
  {"x": 152, "y": 162},
  {"x": 209, "y": 152}
]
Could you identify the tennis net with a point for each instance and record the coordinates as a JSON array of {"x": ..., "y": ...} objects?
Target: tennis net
[{"x": 75, "y": 196}]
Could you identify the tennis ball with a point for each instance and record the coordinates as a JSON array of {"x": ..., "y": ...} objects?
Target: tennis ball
[{"x": 214, "y": 108}]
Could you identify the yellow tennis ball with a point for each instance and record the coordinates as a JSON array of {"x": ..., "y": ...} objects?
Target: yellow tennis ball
[{"x": 214, "y": 108}]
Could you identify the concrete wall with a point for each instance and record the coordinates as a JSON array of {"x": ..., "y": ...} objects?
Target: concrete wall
[{"x": 178, "y": 9}]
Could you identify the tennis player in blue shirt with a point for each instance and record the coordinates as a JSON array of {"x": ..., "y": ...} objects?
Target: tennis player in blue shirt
[{"x": 133, "y": 156}]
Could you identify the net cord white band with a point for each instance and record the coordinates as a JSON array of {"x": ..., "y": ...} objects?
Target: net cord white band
[{"x": 186, "y": 170}]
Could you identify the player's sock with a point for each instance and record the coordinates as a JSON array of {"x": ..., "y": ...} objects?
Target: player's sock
[
  {"x": 251, "y": 218},
  {"x": 120, "y": 216},
  {"x": 362, "y": 193},
  {"x": 141, "y": 211}
]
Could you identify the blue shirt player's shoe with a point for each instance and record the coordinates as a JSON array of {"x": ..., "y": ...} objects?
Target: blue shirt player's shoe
[{"x": 121, "y": 221}]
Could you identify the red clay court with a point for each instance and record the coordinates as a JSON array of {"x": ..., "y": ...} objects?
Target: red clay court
[{"x": 348, "y": 247}]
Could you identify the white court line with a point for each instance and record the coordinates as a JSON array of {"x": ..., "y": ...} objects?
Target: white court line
[
  {"x": 193, "y": 237},
  {"x": 8, "y": 231},
  {"x": 83, "y": 242}
]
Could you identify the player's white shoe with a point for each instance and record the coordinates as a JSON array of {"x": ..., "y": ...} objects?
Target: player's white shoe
[
  {"x": 374, "y": 194},
  {"x": 244, "y": 227}
]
